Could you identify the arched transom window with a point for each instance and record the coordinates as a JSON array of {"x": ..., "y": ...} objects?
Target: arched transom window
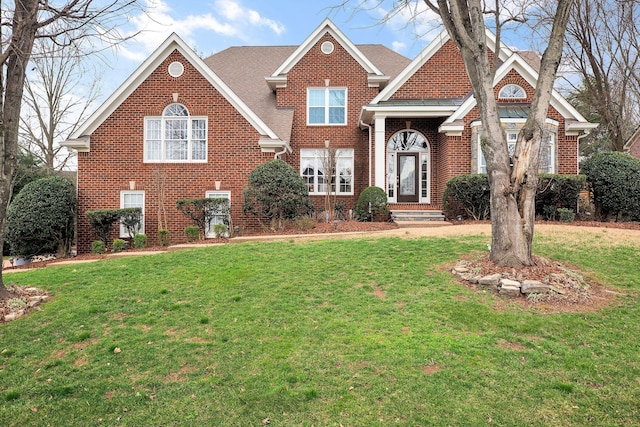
[
  {"x": 512, "y": 91},
  {"x": 176, "y": 136}
]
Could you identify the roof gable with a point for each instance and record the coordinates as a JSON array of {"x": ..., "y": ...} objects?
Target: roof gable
[
  {"x": 575, "y": 121},
  {"x": 424, "y": 56},
  {"x": 278, "y": 77},
  {"x": 172, "y": 43}
]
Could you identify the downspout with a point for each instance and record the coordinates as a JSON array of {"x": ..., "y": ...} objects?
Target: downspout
[
  {"x": 285, "y": 148},
  {"x": 369, "y": 128},
  {"x": 586, "y": 133}
]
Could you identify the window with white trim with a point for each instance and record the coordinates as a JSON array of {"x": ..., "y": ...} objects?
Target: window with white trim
[
  {"x": 219, "y": 217},
  {"x": 327, "y": 106},
  {"x": 132, "y": 199},
  {"x": 547, "y": 151},
  {"x": 176, "y": 136},
  {"x": 512, "y": 91},
  {"x": 313, "y": 165}
]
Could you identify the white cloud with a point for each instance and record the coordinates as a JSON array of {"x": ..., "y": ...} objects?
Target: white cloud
[
  {"x": 227, "y": 18},
  {"x": 398, "y": 46}
]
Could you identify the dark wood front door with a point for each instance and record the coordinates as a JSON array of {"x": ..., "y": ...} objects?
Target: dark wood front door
[{"x": 408, "y": 188}]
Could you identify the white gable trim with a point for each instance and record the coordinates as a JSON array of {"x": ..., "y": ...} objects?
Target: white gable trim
[
  {"x": 326, "y": 27},
  {"x": 173, "y": 42},
  {"x": 517, "y": 63},
  {"x": 436, "y": 44}
]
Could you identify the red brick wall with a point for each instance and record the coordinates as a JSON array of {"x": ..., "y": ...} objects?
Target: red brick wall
[
  {"x": 342, "y": 70},
  {"x": 116, "y": 155}
]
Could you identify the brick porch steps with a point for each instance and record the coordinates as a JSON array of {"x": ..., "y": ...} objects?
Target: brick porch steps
[{"x": 418, "y": 218}]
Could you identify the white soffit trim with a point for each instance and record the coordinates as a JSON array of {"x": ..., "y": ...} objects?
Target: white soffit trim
[
  {"x": 326, "y": 26},
  {"x": 173, "y": 42}
]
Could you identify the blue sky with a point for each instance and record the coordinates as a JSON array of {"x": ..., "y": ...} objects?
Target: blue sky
[{"x": 212, "y": 25}]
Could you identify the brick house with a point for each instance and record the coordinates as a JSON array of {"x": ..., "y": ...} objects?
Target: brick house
[{"x": 201, "y": 126}]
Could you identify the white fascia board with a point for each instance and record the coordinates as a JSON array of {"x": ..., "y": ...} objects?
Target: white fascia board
[
  {"x": 578, "y": 128},
  {"x": 326, "y": 26},
  {"x": 405, "y": 111},
  {"x": 271, "y": 145},
  {"x": 173, "y": 42}
]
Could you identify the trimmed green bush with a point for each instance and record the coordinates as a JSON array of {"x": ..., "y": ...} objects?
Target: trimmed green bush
[
  {"x": 566, "y": 215},
  {"x": 276, "y": 193},
  {"x": 140, "y": 241},
  {"x": 614, "y": 180},
  {"x": 467, "y": 196},
  {"x": 98, "y": 247},
  {"x": 40, "y": 220},
  {"x": 220, "y": 230},
  {"x": 371, "y": 205},
  {"x": 192, "y": 233},
  {"x": 119, "y": 245}
]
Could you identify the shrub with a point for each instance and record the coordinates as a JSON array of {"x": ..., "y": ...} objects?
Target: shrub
[
  {"x": 220, "y": 230},
  {"x": 98, "y": 247},
  {"x": 276, "y": 193},
  {"x": 566, "y": 215},
  {"x": 467, "y": 196},
  {"x": 614, "y": 180},
  {"x": 131, "y": 219},
  {"x": 371, "y": 205},
  {"x": 140, "y": 241},
  {"x": 101, "y": 221},
  {"x": 192, "y": 232},
  {"x": 558, "y": 191},
  {"x": 164, "y": 237},
  {"x": 119, "y": 245},
  {"x": 40, "y": 220},
  {"x": 202, "y": 211}
]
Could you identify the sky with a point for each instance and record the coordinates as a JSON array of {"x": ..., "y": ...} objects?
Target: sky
[{"x": 210, "y": 26}]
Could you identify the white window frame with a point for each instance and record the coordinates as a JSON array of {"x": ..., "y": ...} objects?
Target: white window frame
[
  {"x": 327, "y": 105},
  {"x": 503, "y": 95},
  {"x": 162, "y": 139},
  {"x": 512, "y": 138},
  {"x": 217, "y": 194},
  {"x": 344, "y": 156},
  {"x": 123, "y": 204}
]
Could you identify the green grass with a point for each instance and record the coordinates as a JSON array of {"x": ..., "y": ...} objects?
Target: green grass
[{"x": 343, "y": 332}]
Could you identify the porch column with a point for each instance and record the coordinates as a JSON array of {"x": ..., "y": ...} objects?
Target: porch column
[{"x": 380, "y": 152}]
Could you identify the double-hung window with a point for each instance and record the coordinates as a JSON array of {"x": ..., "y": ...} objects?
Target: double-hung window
[
  {"x": 219, "y": 217},
  {"x": 318, "y": 168},
  {"x": 176, "y": 136},
  {"x": 132, "y": 199},
  {"x": 547, "y": 151},
  {"x": 327, "y": 106}
]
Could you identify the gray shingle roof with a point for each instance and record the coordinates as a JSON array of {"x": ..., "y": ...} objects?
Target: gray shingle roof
[{"x": 244, "y": 68}]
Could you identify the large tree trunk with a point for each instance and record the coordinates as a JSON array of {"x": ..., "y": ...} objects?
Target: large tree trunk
[
  {"x": 24, "y": 28},
  {"x": 513, "y": 182}
]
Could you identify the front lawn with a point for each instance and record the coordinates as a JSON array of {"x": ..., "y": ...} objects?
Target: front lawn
[{"x": 360, "y": 332}]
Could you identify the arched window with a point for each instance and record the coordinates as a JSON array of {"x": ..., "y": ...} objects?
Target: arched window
[
  {"x": 512, "y": 91},
  {"x": 175, "y": 136}
]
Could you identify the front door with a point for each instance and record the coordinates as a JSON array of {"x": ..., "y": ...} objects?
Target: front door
[{"x": 408, "y": 187}]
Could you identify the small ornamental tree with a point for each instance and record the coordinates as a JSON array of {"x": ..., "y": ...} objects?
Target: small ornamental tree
[
  {"x": 276, "y": 193},
  {"x": 131, "y": 219},
  {"x": 41, "y": 218},
  {"x": 101, "y": 221},
  {"x": 202, "y": 211},
  {"x": 614, "y": 180}
]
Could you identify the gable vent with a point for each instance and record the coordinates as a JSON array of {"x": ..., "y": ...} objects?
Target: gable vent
[
  {"x": 327, "y": 47},
  {"x": 176, "y": 69}
]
